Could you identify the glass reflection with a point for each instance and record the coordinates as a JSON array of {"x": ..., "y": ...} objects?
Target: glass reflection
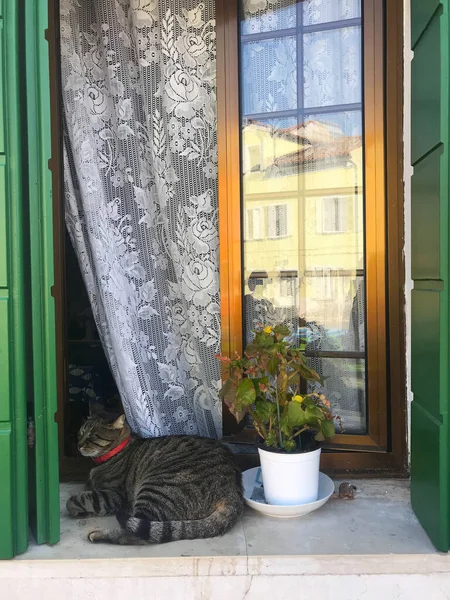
[{"x": 303, "y": 196}]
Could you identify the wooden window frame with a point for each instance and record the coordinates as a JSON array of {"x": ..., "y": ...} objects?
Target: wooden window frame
[
  {"x": 383, "y": 450},
  {"x": 388, "y": 21}
]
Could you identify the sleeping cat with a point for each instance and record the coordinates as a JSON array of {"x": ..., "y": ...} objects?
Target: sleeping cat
[{"x": 160, "y": 489}]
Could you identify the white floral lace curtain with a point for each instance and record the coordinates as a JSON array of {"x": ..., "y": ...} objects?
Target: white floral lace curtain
[{"x": 140, "y": 153}]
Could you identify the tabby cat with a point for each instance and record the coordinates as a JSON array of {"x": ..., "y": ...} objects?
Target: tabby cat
[{"x": 161, "y": 489}]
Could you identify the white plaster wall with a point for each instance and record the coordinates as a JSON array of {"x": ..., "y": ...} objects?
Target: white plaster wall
[
  {"x": 326, "y": 577},
  {"x": 408, "y": 54},
  {"x": 244, "y": 587}
]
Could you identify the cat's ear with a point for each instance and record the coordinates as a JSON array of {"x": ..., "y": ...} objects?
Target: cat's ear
[
  {"x": 119, "y": 423},
  {"x": 95, "y": 408}
]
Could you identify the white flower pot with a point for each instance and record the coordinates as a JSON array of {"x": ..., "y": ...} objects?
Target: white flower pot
[{"x": 290, "y": 479}]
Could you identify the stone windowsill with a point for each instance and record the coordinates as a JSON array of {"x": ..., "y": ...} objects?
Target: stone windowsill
[{"x": 376, "y": 532}]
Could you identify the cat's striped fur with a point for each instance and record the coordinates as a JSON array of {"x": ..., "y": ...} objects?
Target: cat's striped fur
[{"x": 161, "y": 489}]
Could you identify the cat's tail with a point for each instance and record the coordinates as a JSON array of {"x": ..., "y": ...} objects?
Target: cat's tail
[{"x": 223, "y": 517}]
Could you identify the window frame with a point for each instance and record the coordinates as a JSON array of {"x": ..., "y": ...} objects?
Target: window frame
[{"x": 384, "y": 448}]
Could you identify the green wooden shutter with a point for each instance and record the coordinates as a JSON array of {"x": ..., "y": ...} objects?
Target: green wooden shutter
[
  {"x": 29, "y": 490},
  {"x": 44, "y": 458},
  {"x": 430, "y": 268},
  {"x": 14, "y": 371}
]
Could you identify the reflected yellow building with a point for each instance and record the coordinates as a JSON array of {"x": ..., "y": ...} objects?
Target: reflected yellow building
[{"x": 303, "y": 218}]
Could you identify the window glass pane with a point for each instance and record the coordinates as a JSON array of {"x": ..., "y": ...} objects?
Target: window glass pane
[
  {"x": 303, "y": 195},
  {"x": 259, "y": 16},
  {"x": 266, "y": 146},
  {"x": 337, "y": 125},
  {"x": 345, "y": 387},
  {"x": 332, "y": 67},
  {"x": 324, "y": 11},
  {"x": 269, "y": 70}
]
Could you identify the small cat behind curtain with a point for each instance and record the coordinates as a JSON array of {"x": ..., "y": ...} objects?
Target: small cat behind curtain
[{"x": 161, "y": 489}]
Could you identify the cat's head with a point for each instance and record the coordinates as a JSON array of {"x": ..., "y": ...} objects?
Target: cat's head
[{"x": 101, "y": 432}]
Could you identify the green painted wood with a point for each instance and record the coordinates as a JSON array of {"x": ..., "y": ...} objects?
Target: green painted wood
[
  {"x": 426, "y": 90},
  {"x": 3, "y": 238},
  {"x": 425, "y": 356},
  {"x": 8, "y": 546},
  {"x": 2, "y": 116},
  {"x": 5, "y": 358},
  {"x": 430, "y": 447},
  {"x": 13, "y": 304},
  {"x": 426, "y": 199},
  {"x": 421, "y": 13},
  {"x": 44, "y": 465}
]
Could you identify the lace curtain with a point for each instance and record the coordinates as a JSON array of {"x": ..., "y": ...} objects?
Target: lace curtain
[{"x": 140, "y": 154}]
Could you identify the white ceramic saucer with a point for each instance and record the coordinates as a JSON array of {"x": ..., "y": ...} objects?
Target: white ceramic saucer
[{"x": 254, "y": 496}]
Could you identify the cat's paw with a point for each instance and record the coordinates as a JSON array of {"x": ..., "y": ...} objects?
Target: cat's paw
[
  {"x": 75, "y": 509},
  {"x": 96, "y": 536}
]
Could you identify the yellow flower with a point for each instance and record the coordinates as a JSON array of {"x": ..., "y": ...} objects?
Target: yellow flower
[
  {"x": 297, "y": 398},
  {"x": 268, "y": 329}
]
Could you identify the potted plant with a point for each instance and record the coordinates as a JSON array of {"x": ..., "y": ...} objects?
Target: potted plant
[{"x": 265, "y": 384}]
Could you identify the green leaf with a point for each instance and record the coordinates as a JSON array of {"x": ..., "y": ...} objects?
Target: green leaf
[
  {"x": 237, "y": 414},
  {"x": 272, "y": 439},
  {"x": 228, "y": 394},
  {"x": 272, "y": 365},
  {"x": 319, "y": 437},
  {"x": 294, "y": 373},
  {"x": 309, "y": 374},
  {"x": 245, "y": 393},
  {"x": 289, "y": 445},
  {"x": 260, "y": 342},
  {"x": 226, "y": 389},
  {"x": 296, "y": 416},
  {"x": 264, "y": 360},
  {"x": 313, "y": 414},
  {"x": 282, "y": 381},
  {"x": 264, "y": 409},
  {"x": 285, "y": 426},
  {"x": 257, "y": 380},
  {"x": 328, "y": 429},
  {"x": 308, "y": 401},
  {"x": 281, "y": 331}
]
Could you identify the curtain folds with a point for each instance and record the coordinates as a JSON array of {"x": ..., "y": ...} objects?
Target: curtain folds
[{"x": 140, "y": 152}]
